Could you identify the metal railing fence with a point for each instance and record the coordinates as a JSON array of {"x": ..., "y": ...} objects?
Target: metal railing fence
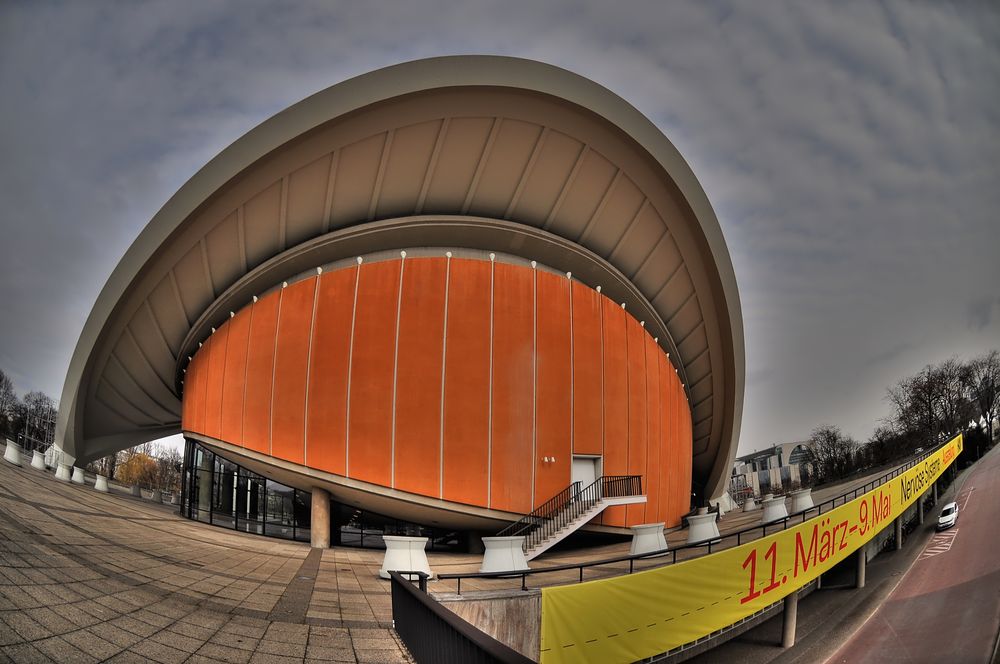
[{"x": 566, "y": 506}]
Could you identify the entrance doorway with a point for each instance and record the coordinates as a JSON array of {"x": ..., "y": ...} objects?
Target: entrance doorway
[{"x": 586, "y": 470}]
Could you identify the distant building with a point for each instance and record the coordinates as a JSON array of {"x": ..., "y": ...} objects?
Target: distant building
[{"x": 779, "y": 468}]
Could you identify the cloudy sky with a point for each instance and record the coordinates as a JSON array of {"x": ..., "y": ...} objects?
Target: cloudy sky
[{"x": 851, "y": 151}]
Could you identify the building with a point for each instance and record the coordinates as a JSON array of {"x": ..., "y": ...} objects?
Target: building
[
  {"x": 439, "y": 292},
  {"x": 777, "y": 469}
]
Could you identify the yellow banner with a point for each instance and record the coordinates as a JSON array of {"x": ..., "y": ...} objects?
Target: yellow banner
[{"x": 630, "y": 617}]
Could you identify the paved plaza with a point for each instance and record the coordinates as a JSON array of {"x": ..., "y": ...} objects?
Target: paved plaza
[{"x": 93, "y": 577}]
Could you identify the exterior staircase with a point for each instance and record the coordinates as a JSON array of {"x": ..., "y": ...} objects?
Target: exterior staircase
[{"x": 570, "y": 509}]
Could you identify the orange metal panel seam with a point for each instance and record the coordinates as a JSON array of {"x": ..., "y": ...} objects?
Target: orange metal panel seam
[
  {"x": 572, "y": 377},
  {"x": 350, "y": 362},
  {"x": 444, "y": 365},
  {"x": 534, "y": 378},
  {"x": 246, "y": 366},
  {"x": 309, "y": 361},
  {"x": 489, "y": 428},
  {"x": 274, "y": 370},
  {"x": 395, "y": 366}
]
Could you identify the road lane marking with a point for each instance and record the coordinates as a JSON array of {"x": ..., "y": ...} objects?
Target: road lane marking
[{"x": 940, "y": 543}]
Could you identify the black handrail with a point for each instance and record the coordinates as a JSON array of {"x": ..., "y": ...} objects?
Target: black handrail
[
  {"x": 718, "y": 543},
  {"x": 432, "y": 633},
  {"x": 562, "y": 509}
]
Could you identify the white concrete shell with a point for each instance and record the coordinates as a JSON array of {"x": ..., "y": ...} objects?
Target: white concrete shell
[{"x": 477, "y": 152}]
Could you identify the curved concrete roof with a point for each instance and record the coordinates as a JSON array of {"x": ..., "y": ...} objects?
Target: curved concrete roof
[{"x": 481, "y": 152}]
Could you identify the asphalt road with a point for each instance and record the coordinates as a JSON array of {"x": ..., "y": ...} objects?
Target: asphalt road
[{"x": 947, "y": 606}]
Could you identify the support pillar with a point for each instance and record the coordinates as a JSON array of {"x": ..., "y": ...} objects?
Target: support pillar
[
  {"x": 935, "y": 493},
  {"x": 898, "y": 525},
  {"x": 862, "y": 566},
  {"x": 319, "y": 519},
  {"x": 920, "y": 510},
  {"x": 790, "y": 617}
]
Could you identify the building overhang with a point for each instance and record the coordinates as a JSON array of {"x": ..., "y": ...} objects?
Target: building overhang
[{"x": 563, "y": 163}]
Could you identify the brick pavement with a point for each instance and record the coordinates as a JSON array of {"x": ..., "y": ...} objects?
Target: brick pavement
[{"x": 91, "y": 577}]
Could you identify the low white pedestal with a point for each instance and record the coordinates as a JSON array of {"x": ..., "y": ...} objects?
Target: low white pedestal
[
  {"x": 78, "y": 477},
  {"x": 62, "y": 472},
  {"x": 405, "y": 554},
  {"x": 156, "y": 496},
  {"x": 173, "y": 499},
  {"x": 101, "y": 483},
  {"x": 801, "y": 500},
  {"x": 38, "y": 460},
  {"x": 702, "y": 527},
  {"x": 749, "y": 505},
  {"x": 503, "y": 554},
  {"x": 137, "y": 491},
  {"x": 13, "y": 453},
  {"x": 774, "y": 509},
  {"x": 647, "y": 538}
]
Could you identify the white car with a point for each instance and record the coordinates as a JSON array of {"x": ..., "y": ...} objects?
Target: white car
[{"x": 949, "y": 514}]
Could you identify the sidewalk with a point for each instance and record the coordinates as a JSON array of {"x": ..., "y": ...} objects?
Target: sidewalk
[{"x": 828, "y": 617}]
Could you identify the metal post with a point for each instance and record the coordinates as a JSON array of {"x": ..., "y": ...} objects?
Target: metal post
[
  {"x": 790, "y": 615},
  {"x": 898, "y": 523},
  {"x": 861, "y": 568}
]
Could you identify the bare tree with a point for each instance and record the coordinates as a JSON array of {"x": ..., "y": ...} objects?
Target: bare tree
[
  {"x": 8, "y": 400},
  {"x": 982, "y": 380},
  {"x": 834, "y": 452}
]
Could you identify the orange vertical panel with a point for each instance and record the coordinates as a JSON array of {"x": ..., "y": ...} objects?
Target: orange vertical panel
[
  {"x": 213, "y": 391},
  {"x": 553, "y": 386},
  {"x": 234, "y": 379},
  {"x": 675, "y": 443},
  {"x": 291, "y": 363},
  {"x": 685, "y": 450},
  {"x": 326, "y": 421},
  {"x": 370, "y": 412},
  {"x": 467, "y": 384},
  {"x": 260, "y": 374},
  {"x": 417, "y": 435},
  {"x": 651, "y": 478},
  {"x": 588, "y": 371},
  {"x": 667, "y": 482},
  {"x": 190, "y": 396},
  {"x": 616, "y": 401},
  {"x": 636, "y": 342},
  {"x": 513, "y": 388},
  {"x": 200, "y": 386}
]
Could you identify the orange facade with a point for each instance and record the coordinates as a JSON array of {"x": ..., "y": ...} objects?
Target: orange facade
[{"x": 467, "y": 380}]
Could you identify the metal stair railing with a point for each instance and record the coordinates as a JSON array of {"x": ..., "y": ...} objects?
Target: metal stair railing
[{"x": 566, "y": 506}]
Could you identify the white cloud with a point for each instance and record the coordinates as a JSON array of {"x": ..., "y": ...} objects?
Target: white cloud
[{"x": 849, "y": 150}]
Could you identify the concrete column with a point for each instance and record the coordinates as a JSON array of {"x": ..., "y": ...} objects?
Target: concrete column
[
  {"x": 920, "y": 510},
  {"x": 861, "y": 567},
  {"x": 898, "y": 524},
  {"x": 790, "y": 617},
  {"x": 647, "y": 538},
  {"x": 62, "y": 472},
  {"x": 12, "y": 453},
  {"x": 503, "y": 554},
  {"x": 319, "y": 519}
]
